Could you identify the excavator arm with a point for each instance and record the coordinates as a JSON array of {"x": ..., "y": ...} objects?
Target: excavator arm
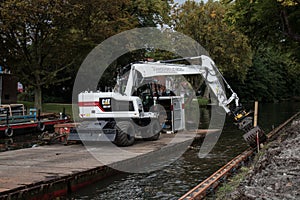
[
  {"x": 213, "y": 78},
  {"x": 242, "y": 118}
]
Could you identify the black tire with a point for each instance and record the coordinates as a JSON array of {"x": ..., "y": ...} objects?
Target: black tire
[
  {"x": 41, "y": 126},
  {"x": 9, "y": 132},
  {"x": 154, "y": 133},
  {"x": 125, "y": 134}
]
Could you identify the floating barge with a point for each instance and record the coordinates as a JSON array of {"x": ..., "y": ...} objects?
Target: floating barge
[
  {"x": 14, "y": 119},
  {"x": 50, "y": 171}
]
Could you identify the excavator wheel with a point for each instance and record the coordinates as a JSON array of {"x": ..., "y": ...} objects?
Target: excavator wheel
[
  {"x": 125, "y": 134},
  {"x": 154, "y": 132}
]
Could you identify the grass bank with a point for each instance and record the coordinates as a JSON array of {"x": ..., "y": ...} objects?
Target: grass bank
[
  {"x": 232, "y": 184},
  {"x": 202, "y": 101},
  {"x": 50, "y": 107}
]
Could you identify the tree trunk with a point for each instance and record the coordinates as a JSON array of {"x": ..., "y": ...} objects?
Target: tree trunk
[{"x": 38, "y": 97}]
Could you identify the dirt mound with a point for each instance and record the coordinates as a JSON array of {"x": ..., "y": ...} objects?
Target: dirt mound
[{"x": 276, "y": 174}]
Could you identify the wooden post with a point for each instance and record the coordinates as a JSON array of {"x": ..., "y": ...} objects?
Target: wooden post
[
  {"x": 255, "y": 123},
  {"x": 255, "y": 113}
]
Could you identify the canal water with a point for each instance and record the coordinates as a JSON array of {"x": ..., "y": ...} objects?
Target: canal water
[{"x": 189, "y": 170}]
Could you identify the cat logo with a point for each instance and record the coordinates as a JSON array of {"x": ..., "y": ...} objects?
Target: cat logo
[{"x": 105, "y": 103}]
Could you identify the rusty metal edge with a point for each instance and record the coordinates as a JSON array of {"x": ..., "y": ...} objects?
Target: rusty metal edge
[{"x": 58, "y": 186}]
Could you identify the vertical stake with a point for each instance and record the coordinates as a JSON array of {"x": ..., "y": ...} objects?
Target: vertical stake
[
  {"x": 257, "y": 139},
  {"x": 255, "y": 113},
  {"x": 255, "y": 123}
]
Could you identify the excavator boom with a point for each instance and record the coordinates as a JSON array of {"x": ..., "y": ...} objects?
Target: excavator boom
[{"x": 211, "y": 74}]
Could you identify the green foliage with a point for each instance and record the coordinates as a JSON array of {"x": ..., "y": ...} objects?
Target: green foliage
[
  {"x": 273, "y": 29},
  {"x": 50, "y": 107},
  {"x": 268, "y": 21},
  {"x": 202, "y": 101},
  {"x": 232, "y": 184},
  {"x": 44, "y": 42},
  {"x": 226, "y": 45},
  {"x": 35, "y": 37},
  {"x": 267, "y": 79},
  {"x": 58, "y": 108},
  {"x": 26, "y": 96}
]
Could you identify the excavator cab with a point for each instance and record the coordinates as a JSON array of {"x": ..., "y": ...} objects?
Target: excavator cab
[
  {"x": 146, "y": 95},
  {"x": 240, "y": 113}
]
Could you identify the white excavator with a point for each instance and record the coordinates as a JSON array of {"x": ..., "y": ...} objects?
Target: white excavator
[{"x": 132, "y": 110}]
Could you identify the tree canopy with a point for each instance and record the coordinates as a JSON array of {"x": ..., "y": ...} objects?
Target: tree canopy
[
  {"x": 225, "y": 44},
  {"x": 254, "y": 43},
  {"x": 272, "y": 27},
  {"x": 33, "y": 34},
  {"x": 45, "y": 41}
]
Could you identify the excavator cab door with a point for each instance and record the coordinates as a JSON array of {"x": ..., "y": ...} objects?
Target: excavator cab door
[{"x": 146, "y": 95}]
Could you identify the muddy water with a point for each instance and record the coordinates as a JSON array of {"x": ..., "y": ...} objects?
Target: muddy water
[{"x": 175, "y": 180}]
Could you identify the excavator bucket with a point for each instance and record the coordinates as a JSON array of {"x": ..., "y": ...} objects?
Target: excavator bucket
[{"x": 255, "y": 136}]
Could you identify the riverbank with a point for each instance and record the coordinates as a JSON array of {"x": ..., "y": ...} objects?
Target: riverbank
[{"x": 274, "y": 173}]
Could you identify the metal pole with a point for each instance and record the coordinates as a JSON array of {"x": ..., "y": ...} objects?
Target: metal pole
[
  {"x": 0, "y": 89},
  {"x": 7, "y": 116},
  {"x": 39, "y": 115}
]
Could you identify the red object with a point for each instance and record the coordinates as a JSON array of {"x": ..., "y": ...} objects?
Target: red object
[
  {"x": 90, "y": 104},
  {"x": 32, "y": 124},
  {"x": 64, "y": 127}
]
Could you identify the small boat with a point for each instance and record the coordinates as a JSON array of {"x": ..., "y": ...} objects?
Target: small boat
[{"x": 14, "y": 119}]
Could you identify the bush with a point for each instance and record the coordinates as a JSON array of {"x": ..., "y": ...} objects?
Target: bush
[{"x": 25, "y": 96}]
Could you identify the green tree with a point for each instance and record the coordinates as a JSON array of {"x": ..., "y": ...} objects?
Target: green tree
[
  {"x": 268, "y": 21},
  {"x": 35, "y": 42},
  {"x": 267, "y": 78},
  {"x": 270, "y": 25},
  {"x": 44, "y": 42},
  {"x": 101, "y": 19},
  {"x": 205, "y": 23}
]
